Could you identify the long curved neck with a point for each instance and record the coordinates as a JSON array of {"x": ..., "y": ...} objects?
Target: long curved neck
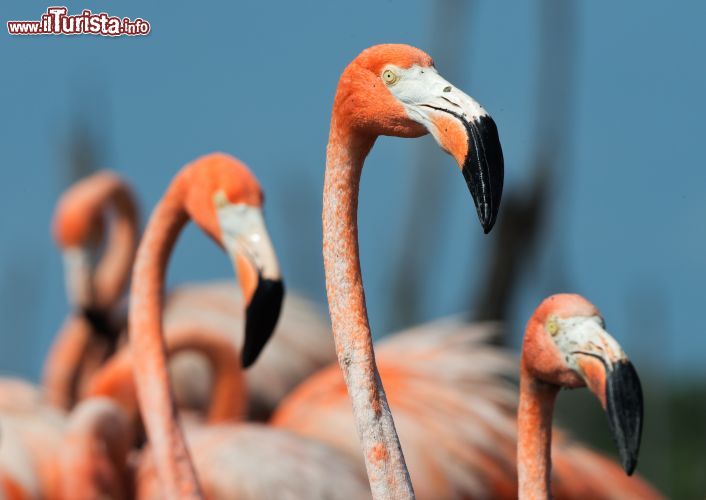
[
  {"x": 113, "y": 271},
  {"x": 534, "y": 440},
  {"x": 62, "y": 368},
  {"x": 174, "y": 467},
  {"x": 228, "y": 395},
  {"x": 387, "y": 471}
]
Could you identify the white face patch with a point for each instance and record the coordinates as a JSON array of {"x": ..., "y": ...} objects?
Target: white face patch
[
  {"x": 584, "y": 334},
  {"x": 244, "y": 232},
  {"x": 77, "y": 275},
  {"x": 419, "y": 89}
]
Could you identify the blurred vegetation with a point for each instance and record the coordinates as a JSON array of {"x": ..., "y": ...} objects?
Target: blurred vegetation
[{"x": 86, "y": 148}]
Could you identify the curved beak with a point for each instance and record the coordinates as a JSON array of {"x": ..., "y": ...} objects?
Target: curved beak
[
  {"x": 608, "y": 373},
  {"x": 245, "y": 237},
  {"x": 463, "y": 129}
]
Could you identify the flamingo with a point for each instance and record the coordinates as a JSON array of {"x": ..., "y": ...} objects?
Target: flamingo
[
  {"x": 566, "y": 345},
  {"x": 450, "y": 393},
  {"x": 456, "y": 410},
  {"x": 48, "y": 453},
  {"x": 444, "y": 377},
  {"x": 302, "y": 346},
  {"x": 92, "y": 461},
  {"x": 102, "y": 428},
  {"x": 29, "y": 434},
  {"x": 92, "y": 333},
  {"x": 109, "y": 414},
  {"x": 390, "y": 90},
  {"x": 224, "y": 199},
  {"x": 303, "y": 465},
  {"x": 229, "y": 395},
  {"x": 453, "y": 402},
  {"x": 254, "y": 461}
]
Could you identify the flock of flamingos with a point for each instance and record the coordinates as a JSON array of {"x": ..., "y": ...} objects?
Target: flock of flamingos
[{"x": 169, "y": 396}]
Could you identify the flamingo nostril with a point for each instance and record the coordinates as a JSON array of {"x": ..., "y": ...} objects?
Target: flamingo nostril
[{"x": 450, "y": 101}]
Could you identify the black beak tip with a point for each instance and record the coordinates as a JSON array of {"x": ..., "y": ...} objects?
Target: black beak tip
[
  {"x": 261, "y": 318},
  {"x": 487, "y": 220},
  {"x": 484, "y": 169},
  {"x": 629, "y": 463},
  {"x": 247, "y": 359},
  {"x": 625, "y": 412}
]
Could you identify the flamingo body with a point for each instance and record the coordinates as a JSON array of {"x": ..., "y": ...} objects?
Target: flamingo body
[{"x": 252, "y": 461}]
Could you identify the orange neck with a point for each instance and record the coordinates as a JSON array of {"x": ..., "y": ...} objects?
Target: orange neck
[
  {"x": 174, "y": 467},
  {"x": 64, "y": 363},
  {"x": 534, "y": 440},
  {"x": 228, "y": 393},
  {"x": 228, "y": 396},
  {"x": 113, "y": 271},
  {"x": 387, "y": 471}
]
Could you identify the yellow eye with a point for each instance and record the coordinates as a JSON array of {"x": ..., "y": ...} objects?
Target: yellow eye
[
  {"x": 220, "y": 199},
  {"x": 553, "y": 327},
  {"x": 389, "y": 77}
]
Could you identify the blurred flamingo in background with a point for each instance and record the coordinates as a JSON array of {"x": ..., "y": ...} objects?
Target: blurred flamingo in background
[
  {"x": 93, "y": 443},
  {"x": 228, "y": 397},
  {"x": 231, "y": 458},
  {"x": 46, "y": 453},
  {"x": 250, "y": 460},
  {"x": 30, "y": 435},
  {"x": 390, "y": 90},
  {"x": 91, "y": 334},
  {"x": 92, "y": 461},
  {"x": 224, "y": 199},
  {"x": 302, "y": 345}
]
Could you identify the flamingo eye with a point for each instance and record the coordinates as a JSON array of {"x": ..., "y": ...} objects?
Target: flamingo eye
[
  {"x": 553, "y": 327},
  {"x": 220, "y": 199},
  {"x": 389, "y": 77}
]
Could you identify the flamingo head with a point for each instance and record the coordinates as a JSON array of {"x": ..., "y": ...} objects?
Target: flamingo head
[
  {"x": 224, "y": 199},
  {"x": 396, "y": 90},
  {"x": 78, "y": 229},
  {"x": 566, "y": 345}
]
